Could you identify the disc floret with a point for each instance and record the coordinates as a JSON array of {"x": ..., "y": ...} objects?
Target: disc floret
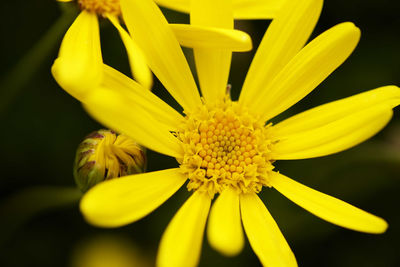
[
  {"x": 101, "y": 7},
  {"x": 225, "y": 146}
]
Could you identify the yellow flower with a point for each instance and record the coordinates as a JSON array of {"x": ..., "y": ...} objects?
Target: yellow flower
[
  {"x": 79, "y": 64},
  {"x": 228, "y": 147}
]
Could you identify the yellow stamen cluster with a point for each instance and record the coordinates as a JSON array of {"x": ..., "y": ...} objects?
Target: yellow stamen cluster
[
  {"x": 225, "y": 146},
  {"x": 101, "y": 7}
]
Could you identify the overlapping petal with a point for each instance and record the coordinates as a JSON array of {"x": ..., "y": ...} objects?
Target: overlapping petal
[
  {"x": 335, "y": 136},
  {"x": 181, "y": 242},
  {"x": 138, "y": 96},
  {"x": 242, "y": 9},
  {"x": 286, "y": 35},
  {"x": 212, "y": 65},
  {"x": 79, "y": 64},
  {"x": 164, "y": 55},
  {"x": 263, "y": 233},
  {"x": 306, "y": 70},
  {"x": 123, "y": 200},
  {"x": 137, "y": 60},
  {"x": 224, "y": 230},
  {"x": 336, "y": 110},
  {"x": 117, "y": 112},
  {"x": 212, "y": 37},
  {"x": 328, "y": 208}
]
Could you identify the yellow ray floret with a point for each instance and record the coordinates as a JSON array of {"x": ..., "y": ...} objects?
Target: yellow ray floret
[
  {"x": 263, "y": 233},
  {"x": 212, "y": 37},
  {"x": 180, "y": 245},
  {"x": 225, "y": 237},
  {"x": 327, "y": 207},
  {"x": 145, "y": 192}
]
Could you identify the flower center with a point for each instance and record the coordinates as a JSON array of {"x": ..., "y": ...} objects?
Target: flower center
[
  {"x": 225, "y": 146},
  {"x": 101, "y": 7}
]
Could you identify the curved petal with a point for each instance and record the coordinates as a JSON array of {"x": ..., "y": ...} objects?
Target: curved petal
[
  {"x": 327, "y": 113},
  {"x": 139, "y": 96},
  {"x": 78, "y": 66},
  {"x": 286, "y": 35},
  {"x": 242, "y": 9},
  {"x": 224, "y": 229},
  {"x": 212, "y": 37},
  {"x": 307, "y": 69},
  {"x": 124, "y": 200},
  {"x": 328, "y": 208},
  {"x": 137, "y": 59},
  {"x": 150, "y": 29},
  {"x": 118, "y": 113},
  {"x": 335, "y": 136},
  {"x": 212, "y": 64},
  {"x": 181, "y": 242},
  {"x": 178, "y": 5},
  {"x": 263, "y": 233}
]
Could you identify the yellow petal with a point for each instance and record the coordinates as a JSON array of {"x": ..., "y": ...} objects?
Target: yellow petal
[
  {"x": 212, "y": 64},
  {"x": 139, "y": 96},
  {"x": 78, "y": 67},
  {"x": 137, "y": 59},
  {"x": 117, "y": 113},
  {"x": 242, "y": 9},
  {"x": 181, "y": 242},
  {"x": 212, "y": 37},
  {"x": 224, "y": 230},
  {"x": 164, "y": 55},
  {"x": 335, "y": 136},
  {"x": 286, "y": 35},
  {"x": 263, "y": 233},
  {"x": 336, "y": 110},
  {"x": 124, "y": 200},
  {"x": 179, "y": 5},
  {"x": 307, "y": 70},
  {"x": 328, "y": 208}
]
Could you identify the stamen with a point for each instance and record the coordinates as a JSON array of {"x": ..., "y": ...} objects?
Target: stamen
[{"x": 225, "y": 146}]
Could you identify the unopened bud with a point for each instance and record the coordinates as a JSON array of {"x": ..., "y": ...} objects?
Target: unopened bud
[{"x": 105, "y": 155}]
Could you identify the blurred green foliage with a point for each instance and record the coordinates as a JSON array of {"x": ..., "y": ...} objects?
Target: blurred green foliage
[{"x": 42, "y": 126}]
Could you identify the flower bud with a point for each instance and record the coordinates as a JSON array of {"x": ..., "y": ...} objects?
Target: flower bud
[{"x": 105, "y": 155}]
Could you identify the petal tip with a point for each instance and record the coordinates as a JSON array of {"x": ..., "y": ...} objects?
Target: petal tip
[{"x": 381, "y": 226}]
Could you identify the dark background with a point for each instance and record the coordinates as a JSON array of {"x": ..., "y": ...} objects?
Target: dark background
[{"x": 41, "y": 126}]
